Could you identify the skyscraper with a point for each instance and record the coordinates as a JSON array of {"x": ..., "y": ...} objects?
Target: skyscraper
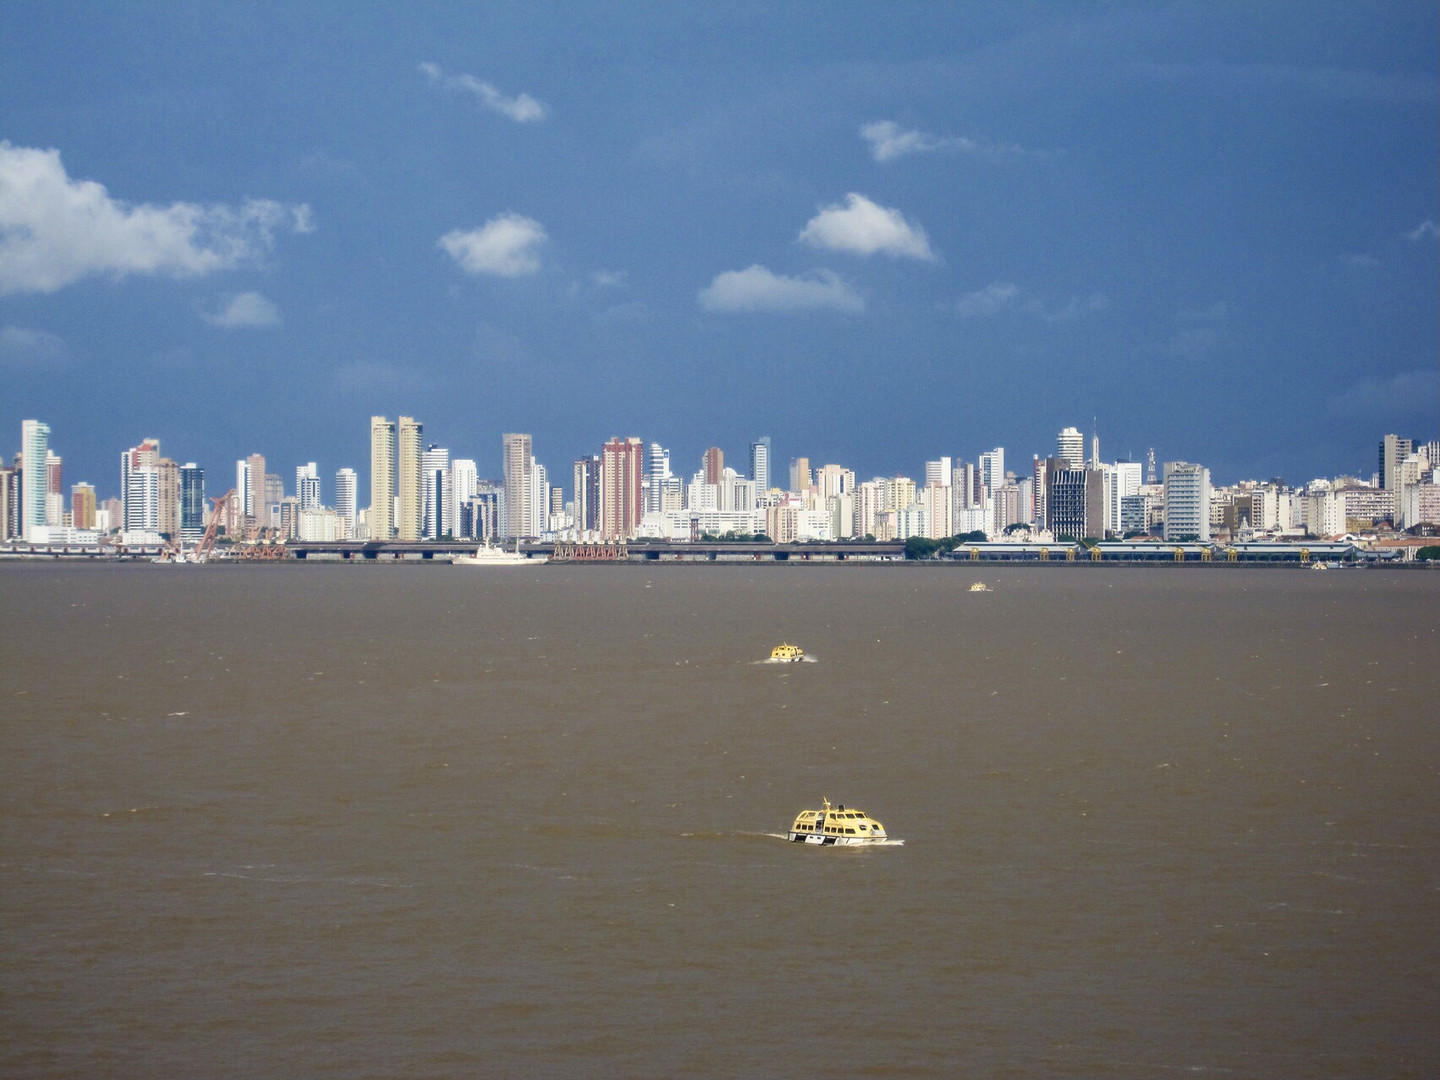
[
  {"x": 992, "y": 470},
  {"x": 140, "y": 487},
  {"x": 464, "y": 486},
  {"x": 1187, "y": 502},
  {"x": 539, "y": 499},
  {"x": 192, "y": 501},
  {"x": 409, "y": 478},
  {"x": 307, "y": 486},
  {"x": 516, "y": 459},
  {"x": 1065, "y": 502},
  {"x": 34, "y": 480},
  {"x": 1070, "y": 446},
  {"x": 657, "y": 471},
  {"x": 439, "y": 497},
  {"x": 168, "y": 494},
  {"x": 620, "y": 474},
  {"x": 1393, "y": 450},
  {"x": 82, "y": 506},
  {"x": 587, "y": 492},
  {"x": 346, "y": 492},
  {"x": 256, "y": 499},
  {"x": 713, "y": 465},
  {"x": 54, "y": 490},
  {"x": 382, "y": 479},
  {"x": 9, "y": 503},
  {"x": 760, "y": 463},
  {"x": 800, "y": 474}
]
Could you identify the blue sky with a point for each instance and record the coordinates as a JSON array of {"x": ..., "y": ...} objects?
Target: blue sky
[{"x": 878, "y": 233}]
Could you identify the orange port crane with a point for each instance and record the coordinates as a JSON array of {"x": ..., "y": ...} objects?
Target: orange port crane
[{"x": 207, "y": 542}]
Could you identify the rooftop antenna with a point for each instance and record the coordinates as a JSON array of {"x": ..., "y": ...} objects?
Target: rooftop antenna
[{"x": 1150, "y": 472}]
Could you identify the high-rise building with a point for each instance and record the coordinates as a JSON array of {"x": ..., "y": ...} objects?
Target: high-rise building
[
  {"x": 800, "y": 474},
  {"x": 1126, "y": 482},
  {"x": 307, "y": 486},
  {"x": 940, "y": 471},
  {"x": 587, "y": 491},
  {"x": 382, "y": 479},
  {"x": 620, "y": 477},
  {"x": 409, "y": 478},
  {"x": 1065, "y": 502},
  {"x": 9, "y": 503},
  {"x": 1070, "y": 447},
  {"x": 439, "y": 498},
  {"x": 346, "y": 508},
  {"x": 464, "y": 486},
  {"x": 168, "y": 493},
  {"x": 142, "y": 500},
  {"x": 34, "y": 480},
  {"x": 657, "y": 471},
  {"x": 517, "y": 458},
  {"x": 760, "y": 463},
  {"x": 54, "y": 490},
  {"x": 192, "y": 502},
  {"x": 482, "y": 516},
  {"x": 1393, "y": 450},
  {"x": 143, "y": 515},
  {"x": 835, "y": 480},
  {"x": 1187, "y": 502},
  {"x": 1037, "y": 489},
  {"x": 713, "y": 465},
  {"x": 257, "y": 511},
  {"x": 82, "y": 506},
  {"x": 992, "y": 470},
  {"x": 539, "y": 499}
]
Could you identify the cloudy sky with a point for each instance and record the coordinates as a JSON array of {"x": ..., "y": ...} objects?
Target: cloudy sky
[{"x": 877, "y": 232}]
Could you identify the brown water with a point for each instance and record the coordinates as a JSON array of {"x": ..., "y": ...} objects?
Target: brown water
[{"x": 406, "y": 821}]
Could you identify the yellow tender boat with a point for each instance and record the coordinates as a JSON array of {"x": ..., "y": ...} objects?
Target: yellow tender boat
[
  {"x": 787, "y": 654},
  {"x": 837, "y": 826}
]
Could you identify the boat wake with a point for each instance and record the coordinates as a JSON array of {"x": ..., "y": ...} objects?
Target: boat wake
[{"x": 807, "y": 659}]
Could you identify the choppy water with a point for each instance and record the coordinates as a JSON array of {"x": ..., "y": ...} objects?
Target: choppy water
[{"x": 333, "y": 821}]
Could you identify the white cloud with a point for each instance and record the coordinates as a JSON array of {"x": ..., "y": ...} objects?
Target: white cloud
[
  {"x": 987, "y": 301},
  {"x": 1426, "y": 230},
  {"x": 610, "y": 279},
  {"x": 55, "y": 231},
  {"x": 758, "y": 289},
  {"x": 865, "y": 228},
  {"x": 889, "y": 141},
  {"x": 1001, "y": 296},
  {"x": 23, "y": 349},
  {"x": 247, "y": 309},
  {"x": 521, "y": 108},
  {"x": 505, "y": 245}
]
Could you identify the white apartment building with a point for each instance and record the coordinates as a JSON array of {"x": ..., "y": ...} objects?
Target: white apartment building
[
  {"x": 1187, "y": 501},
  {"x": 35, "y": 480}
]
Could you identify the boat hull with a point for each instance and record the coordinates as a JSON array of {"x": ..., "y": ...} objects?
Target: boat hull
[{"x": 816, "y": 840}]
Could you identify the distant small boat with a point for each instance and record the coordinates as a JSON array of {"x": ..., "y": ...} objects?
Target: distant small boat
[
  {"x": 980, "y": 586},
  {"x": 787, "y": 654},
  {"x": 490, "y": 555},
  {"x": 837, "y": 827}
]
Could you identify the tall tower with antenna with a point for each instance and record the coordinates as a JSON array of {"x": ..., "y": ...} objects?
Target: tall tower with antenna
[{"x": 1150, "y": 469}]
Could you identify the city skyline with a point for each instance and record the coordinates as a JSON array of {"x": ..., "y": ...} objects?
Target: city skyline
[
  {"x": 629, "y": 490},
  {"x": 875, "y": 232}
]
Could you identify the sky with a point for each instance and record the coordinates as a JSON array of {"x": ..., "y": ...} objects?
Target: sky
[{"x": 877, "y": 232}]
